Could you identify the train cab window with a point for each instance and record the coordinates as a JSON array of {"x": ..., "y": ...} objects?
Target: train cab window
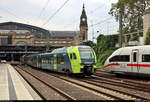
[
  {"x": 134, "y": 56},
  {"x": 74, "y": 56},
  {"x": 114, "y": 59},
  {"x": 146, "y": 58}
]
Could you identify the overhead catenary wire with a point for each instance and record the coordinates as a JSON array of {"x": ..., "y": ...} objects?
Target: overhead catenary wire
[
  {"x": 103, "y": 21},
  {"x": 101, "y": 6},
  {"x": 44, "y": 7},
  {"x": 90, "y": 13},
  {"x": 47, "y": 21},
  {"x": 13, "y": 15}
]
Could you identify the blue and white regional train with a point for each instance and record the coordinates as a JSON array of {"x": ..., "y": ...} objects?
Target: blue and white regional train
[
  {"x": 70, "y": 60},
  {"x": 129, "y": 60}
]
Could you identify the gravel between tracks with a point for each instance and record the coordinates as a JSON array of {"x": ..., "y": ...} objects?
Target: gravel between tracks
[
  {"x": 74, "y": 91},
  {"x": 127, "y": 90},
  {"x": 48, "y": 93},
  {"x": 108, "y": 76}
]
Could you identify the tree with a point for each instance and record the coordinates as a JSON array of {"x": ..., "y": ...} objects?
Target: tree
[
  {"x": 90, "y": 43},
  {"x": 147, "y": 39},
  {"x": 105, "y": 46},
  {"x": 134, "y": 38},
  {"x": 132, "y": 13}
]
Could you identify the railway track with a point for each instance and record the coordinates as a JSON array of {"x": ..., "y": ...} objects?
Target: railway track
[
  {"x": 27, "y": 75},
  {"x": 124, "y": 93},
  {"x": 139, "y": 84},
  {"x": 95, "y": 82},
  {"x": 74, "y": 92},
  {"x": 123, "y": 77},
  {"x": 141, "y": 90},
  {"x": 122, "y": 83},
  {"x": 115, "y": 94},
  {"x": 101, "y": 85},
  {"x": 124, "y": 89}
]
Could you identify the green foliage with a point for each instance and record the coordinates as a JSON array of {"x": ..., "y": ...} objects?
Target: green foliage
[
  {"x": 132, "y": 13},
  {"x": 105, "y": 55},
  {"x": 135, "y": 37},
  {"x": 90, "y": 43},
  {"x": 100, "y": 66},
  {"x": 147, "y": 40},
  {"x": 105, "y": 42},
  {"x": 104, "y": 48}
]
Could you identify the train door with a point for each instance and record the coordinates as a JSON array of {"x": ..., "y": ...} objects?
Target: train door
[
  {"x": 74, "y": 60},
  {"x": 135, "y": 61}
]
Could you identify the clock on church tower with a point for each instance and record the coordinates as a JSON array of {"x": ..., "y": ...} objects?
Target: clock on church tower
[{"x": 83, "y": 19}]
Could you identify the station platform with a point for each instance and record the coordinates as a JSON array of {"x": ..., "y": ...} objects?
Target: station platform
[{"x": 13, "y": 86}]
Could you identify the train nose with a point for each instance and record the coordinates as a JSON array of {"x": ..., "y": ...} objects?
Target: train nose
[{"x": 105, "y": 65}]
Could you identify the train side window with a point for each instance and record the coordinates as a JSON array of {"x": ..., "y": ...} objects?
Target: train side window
[
  {"x": 71, "y": 56},
  {"x": 52, "y": 60},
  {"x": 120, "y": 58},
  {"x": 49, "y": 60},
  {"x": 74, "y": 56},
  {"x": 124, "y": 58},
  {"x": 134, "y": 56},
  {"x": 146, "y": 58},
  {"x": 58, "y": 60},
  {"x": 62, "y": 58}
]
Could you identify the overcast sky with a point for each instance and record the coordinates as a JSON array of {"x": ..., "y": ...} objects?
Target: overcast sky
[{"x": 37, "y": 13}]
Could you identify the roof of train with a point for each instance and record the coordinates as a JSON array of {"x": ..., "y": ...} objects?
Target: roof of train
[
  {"x": 128, "y": 50},
  {"x": 60, "y": 50},
  {"x": 136, "y": 47}
]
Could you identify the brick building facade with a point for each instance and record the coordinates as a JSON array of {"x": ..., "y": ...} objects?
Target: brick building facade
[{"x": 13, "y": 33}]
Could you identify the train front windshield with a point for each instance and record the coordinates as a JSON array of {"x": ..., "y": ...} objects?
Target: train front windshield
[{"x": 86, "y": 53}]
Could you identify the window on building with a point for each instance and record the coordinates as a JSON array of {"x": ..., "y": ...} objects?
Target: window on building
[
  {"x": 146, "y": 58},
  {"x": 21, "y": 43}
]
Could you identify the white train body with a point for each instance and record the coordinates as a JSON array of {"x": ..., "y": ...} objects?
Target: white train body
[{"x": 129, "y": 60}]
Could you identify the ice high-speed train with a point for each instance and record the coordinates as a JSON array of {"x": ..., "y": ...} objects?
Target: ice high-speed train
[{"x": 129, "y": 60}]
